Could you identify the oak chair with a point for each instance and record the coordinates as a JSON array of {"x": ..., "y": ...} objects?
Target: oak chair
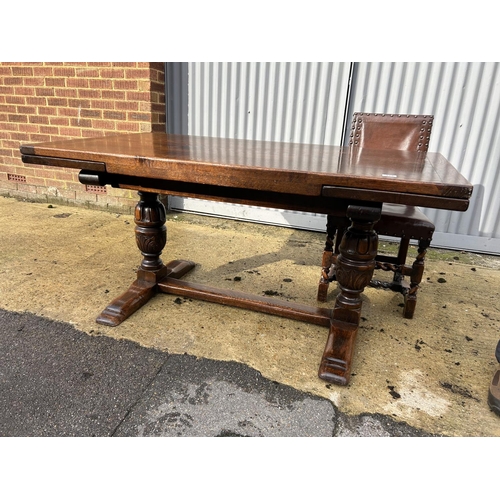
[{"x": 385, "y": 131}]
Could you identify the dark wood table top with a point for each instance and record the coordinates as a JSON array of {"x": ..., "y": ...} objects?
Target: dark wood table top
[{"x": 424, "y": 179}]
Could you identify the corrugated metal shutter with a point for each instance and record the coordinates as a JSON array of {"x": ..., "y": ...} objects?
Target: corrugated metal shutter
[
  {"x": 287, "y": 102},
  {"x": 465, "y": 101}
]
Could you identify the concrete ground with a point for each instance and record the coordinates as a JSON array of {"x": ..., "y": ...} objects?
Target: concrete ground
[{"x": 189, "y": 368}]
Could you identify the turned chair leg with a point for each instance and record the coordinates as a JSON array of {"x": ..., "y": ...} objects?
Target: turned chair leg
[
  {"x": 327, "y": 260},
  {"x": 404, "y": 244},
  {"x": 415, "y": 279}
]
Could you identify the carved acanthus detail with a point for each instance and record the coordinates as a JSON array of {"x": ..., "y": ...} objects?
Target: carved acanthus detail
[{"x": 150, "y": 230}]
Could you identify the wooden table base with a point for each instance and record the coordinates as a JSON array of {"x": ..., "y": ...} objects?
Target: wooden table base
[
  {"x": 354, "y": 270},
  {"x": 141, "y": 290}
]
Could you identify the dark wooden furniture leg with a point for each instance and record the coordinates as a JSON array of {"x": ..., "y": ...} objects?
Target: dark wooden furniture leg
[
  {"x": 400, "y": 269},
  {"x": 151, "y": 237},
  {"x": 327, "y": 261},
  {"x": 417, "y": 271},
  {"x": 354, "y": 270}
]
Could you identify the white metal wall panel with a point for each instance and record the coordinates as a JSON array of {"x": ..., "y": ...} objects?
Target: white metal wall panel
[
  {"x": 465, "y": 101},
  {"x": 287, "y": 102}
]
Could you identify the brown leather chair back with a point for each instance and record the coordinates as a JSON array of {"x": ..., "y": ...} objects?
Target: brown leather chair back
[{"x": 382, "y": 131}]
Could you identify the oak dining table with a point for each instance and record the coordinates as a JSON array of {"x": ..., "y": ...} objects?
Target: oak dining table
[{"x": 355, "y": 182}]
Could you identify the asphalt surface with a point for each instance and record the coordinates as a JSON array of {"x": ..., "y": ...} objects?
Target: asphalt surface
[{"x": 58, "y": 381}]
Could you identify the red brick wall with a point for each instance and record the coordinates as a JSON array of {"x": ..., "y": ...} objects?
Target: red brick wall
[{"x": 51, "y": 101}]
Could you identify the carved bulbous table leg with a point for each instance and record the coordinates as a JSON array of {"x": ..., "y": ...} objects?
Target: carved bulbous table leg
[
  {"x": 354, "y": 270},
  {"x": 151, "y": 237}
]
